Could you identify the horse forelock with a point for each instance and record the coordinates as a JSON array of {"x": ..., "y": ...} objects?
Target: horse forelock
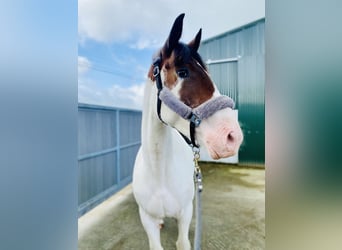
[{"x": 197, "y": 87}]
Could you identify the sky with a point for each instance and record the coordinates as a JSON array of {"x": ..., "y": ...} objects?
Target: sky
[{"x": 117, "y": 39}]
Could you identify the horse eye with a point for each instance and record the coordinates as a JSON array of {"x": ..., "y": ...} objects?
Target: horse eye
[{"x": 183, "y": 73}]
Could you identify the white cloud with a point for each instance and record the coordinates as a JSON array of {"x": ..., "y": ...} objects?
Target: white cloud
[
  {"x": 144, "y": 43},
  {"x": 114, "y": 96},
  {"x": 147, "y": 23},
  {"x": 115, "y": 20},
  {"x": 83, "y": 65},
  {"x": 95, "y": 92}
]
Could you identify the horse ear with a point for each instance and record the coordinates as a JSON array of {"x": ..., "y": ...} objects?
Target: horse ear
[
  {"x": 175, "y": 34},
  {"x": 195, "y": 43}
]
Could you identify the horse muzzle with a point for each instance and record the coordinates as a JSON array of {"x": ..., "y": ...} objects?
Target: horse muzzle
[{"x": 221, "y": 135}]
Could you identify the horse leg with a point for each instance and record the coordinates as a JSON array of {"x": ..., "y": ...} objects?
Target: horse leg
[
  {"x": 152, "y": 228},
  {"x": 184, "y": 221}
]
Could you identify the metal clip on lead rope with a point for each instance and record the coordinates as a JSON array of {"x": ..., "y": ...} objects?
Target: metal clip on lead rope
[
  {"x": 198, "y": 208},
  {"x": 197, "y": 170}
]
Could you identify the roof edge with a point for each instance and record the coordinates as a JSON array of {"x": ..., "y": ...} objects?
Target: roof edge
[{"x": 247, "y": 25}]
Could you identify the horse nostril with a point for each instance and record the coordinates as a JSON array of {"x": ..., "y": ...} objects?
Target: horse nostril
[{"x": 231, "y": 137}]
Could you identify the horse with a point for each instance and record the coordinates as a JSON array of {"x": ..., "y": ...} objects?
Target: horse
[{"x": 181, "y": 107}]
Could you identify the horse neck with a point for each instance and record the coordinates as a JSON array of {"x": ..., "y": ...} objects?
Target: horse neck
[{"x": 156, "y": 137}]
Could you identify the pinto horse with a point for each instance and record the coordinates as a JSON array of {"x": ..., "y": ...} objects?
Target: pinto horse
[{"x": 179, "y": 94}]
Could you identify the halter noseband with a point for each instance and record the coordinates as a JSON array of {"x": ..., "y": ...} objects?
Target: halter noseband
[{"x": 194, "y": 116}]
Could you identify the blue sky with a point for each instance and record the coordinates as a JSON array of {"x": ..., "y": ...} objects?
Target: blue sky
[{"x": 117, "y": 39}]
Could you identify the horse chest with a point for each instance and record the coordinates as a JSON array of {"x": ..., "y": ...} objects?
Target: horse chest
[
  {"x": 166, "y": 197},
  {"x": 162, "y": 193},
  {"x": 164, "y": 203}
]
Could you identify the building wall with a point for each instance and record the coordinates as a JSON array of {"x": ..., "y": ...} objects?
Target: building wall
[{"x": 236, "y": 62}]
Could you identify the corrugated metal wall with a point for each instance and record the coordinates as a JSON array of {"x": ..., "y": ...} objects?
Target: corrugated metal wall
[
  {"x": 236, "y": 61},
  {"x": 108, "y": 140}
]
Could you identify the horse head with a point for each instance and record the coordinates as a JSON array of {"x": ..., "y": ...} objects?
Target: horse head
[{"x": 186, "y": 89}]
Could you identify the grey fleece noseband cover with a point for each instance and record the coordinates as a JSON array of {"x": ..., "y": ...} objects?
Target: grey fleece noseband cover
[{"x": 203, "y": 111}]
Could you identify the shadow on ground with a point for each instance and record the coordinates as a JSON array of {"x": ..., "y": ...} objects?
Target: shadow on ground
[{"x": 233, "y": 204}]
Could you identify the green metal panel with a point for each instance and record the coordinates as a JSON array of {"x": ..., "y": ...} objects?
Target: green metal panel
[
  {"x": 252, "y": 108},
  {"x": 252, "y": 120},
  {"x": 225, "y": 76}
]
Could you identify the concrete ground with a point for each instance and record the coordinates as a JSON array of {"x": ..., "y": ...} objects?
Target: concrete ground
[{"x": 233, "y": 203}]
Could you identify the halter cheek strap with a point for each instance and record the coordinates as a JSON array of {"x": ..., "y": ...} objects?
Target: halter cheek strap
[
  {"x": 156, "y": 75},
  {"x": 194, "y": 116}
]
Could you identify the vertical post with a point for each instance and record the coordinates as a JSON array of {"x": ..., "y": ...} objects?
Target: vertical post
[{"x": 118, "y": 146}]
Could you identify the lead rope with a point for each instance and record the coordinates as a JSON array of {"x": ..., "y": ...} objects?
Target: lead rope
[{"x": 198, "y": 190}]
